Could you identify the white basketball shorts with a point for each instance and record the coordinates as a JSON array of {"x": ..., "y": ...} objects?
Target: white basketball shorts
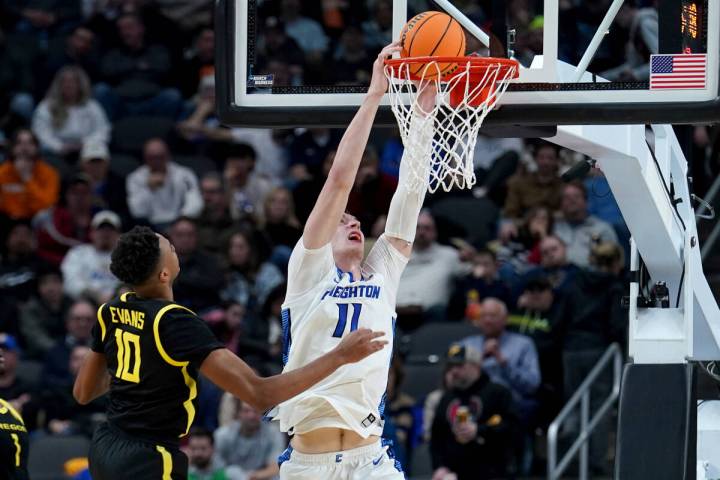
[{"x": 375, "y": 461}]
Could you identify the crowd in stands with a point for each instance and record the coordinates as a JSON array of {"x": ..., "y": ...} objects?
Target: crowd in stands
[{"x": 107, "y": 120}]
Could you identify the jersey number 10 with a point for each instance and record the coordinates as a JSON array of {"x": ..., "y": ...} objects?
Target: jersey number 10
[
  {"x": 128, "y": 363},
  {"x": 342, "y": 318}
]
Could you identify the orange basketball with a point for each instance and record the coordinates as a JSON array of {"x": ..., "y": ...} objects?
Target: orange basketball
[{"x": 432, "y": 34}]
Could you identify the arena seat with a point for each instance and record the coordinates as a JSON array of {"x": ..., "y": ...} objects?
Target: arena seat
[
  {"x": 421, "y": 379},
  {"x": 30, "y": 371},
  {"x": 49, "y": 454},
  {"x": 129, "y": 134},
  {"x": 430, "y": 342},
  {"x": 421, "y": 464},
  {"x": 476, "y": 217}
]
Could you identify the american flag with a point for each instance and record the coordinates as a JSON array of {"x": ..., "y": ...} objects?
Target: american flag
[{"x": 677, "y": 71}]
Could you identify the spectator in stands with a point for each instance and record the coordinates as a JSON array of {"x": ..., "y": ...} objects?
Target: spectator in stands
[
  {"x": 308, "y": 152},
  {"x": 18, "y": 262},
  {"x": 496, "y": 159},
  {"x": 554, "y": 265},
  {"x": 204, "y": 464},
  {"x": 510, "y": 359},
  {"x": 249, "y": 443},
  {"x": 86, "y": 268},
  {"x": 642, "y": 41},
  {"x": 79, "y": 49},
  {"x": 271, "y": 146},
  {"x": 202, "y": 277},
  {"x": 69, "y": 116},
  {"x": 305, "y": 31},
  {"x": 16, "y": 85},
  {"x": 198, "y": 63},
  {"x": 274, "y": 42},
  {"x": 42, "y": 318},
  {"x": 43, "y": 18},
  {"x": 249, "y": 279},
  {"x": 246, "y": 190},
  {"x": 308, "y": 189},
  {"x": 78, "y": 331},
  {"x": 428, "y": 278},
  {"x": 215, "y": 218},
  {"x": 371, "y": 194},
  {"x": 471, "y": 430},
  {"x": 262, "y": 340},
  {"x": 136, "y": 75},
  {"x": 161, "y": 190},
  {"x": 399, "y": 412},
  {"x": 108, "y": 188},
  {"x": 594, "y": 319},
  {"x": 12, "y": 388},
  {"x": 577, "y": 229},
  {"x": 65, "y": 225},
  {"x": 378, "y": 28},
  {"x": 539, "y": 315},
  {"x": 481, "y": 283},
  {"x": 539, "y": 188},
  {"x": 27, "y": 184},
  {"x": 351, "y": 62},
  {"x": 62, "y": 414},
  {"x": 202, "y": 129},
  {"x": 279, "y": 223}
]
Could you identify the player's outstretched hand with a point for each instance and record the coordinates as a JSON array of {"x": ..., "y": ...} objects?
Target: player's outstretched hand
[
  {"x": 378, "y": 83},
  {"x": 359, "y": 344}
]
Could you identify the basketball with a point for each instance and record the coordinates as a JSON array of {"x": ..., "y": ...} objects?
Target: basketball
[{"x": 432, "y": 34}]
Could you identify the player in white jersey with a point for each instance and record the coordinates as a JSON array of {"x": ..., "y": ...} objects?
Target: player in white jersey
[{"x": 337, "y": 424}]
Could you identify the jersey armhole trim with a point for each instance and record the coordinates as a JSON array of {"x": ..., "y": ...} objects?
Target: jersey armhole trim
[
  {"x": 8, "y": 407},
  {"x": 103, "y": 330},
  {"x": 189, "y": 381}
]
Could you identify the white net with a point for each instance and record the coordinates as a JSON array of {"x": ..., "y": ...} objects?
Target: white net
[{"x": 462, "y": 103}]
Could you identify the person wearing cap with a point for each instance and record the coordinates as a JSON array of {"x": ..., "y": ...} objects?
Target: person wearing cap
[
  {"x": 12, "y": 388},
  {"x": 67, "y": 224},
  {"x": 13, "y": 434},
  {"x": 86, "y": 268},
  {"x": 472, "y": 425},
  {"x": 539, "y": 315},
  {"x": 108, "y": 188},
  {"x": 27, "y": 183}
]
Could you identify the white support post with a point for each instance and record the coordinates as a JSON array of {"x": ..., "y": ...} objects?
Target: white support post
[
  {"x": 474, "y": 30},
  {"x": 597, "y": 39},
  {"x": 669, "y": 249}
]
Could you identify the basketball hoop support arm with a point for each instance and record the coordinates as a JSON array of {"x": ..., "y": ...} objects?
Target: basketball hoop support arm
[
  {"x": 476, "y": 32},
  {"x": 664, "y": 231}
]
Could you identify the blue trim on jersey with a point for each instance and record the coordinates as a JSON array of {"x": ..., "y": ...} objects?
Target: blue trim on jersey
[
  {"x": 385, "y": 442},
  {"x": 383, "y": 400},
  {"x": 286, "y": 339},
  {"x": 285, "y": 456}
]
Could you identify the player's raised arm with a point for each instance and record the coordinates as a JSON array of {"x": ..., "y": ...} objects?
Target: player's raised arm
[
  {"x": 406, "y": 203},
  {"x": 230, "y": 373},
  {"x": 332, "y": 201}
]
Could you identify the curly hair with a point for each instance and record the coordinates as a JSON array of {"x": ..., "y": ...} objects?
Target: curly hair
[{"x": 136, "y": 256}]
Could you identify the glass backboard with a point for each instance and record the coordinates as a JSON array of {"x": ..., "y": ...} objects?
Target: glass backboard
[{"x": 295, "y": 63}]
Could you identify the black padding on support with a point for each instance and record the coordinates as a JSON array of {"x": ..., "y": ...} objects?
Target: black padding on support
[{"x": 657, "y": 424}]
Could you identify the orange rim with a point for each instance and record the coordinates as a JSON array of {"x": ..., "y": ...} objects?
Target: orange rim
[{"x": 477, "y": 66}]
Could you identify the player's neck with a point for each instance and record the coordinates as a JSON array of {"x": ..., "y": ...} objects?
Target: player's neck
[
  {"x": 159, "y": 292},
  {"x": 350, "y": 266}
]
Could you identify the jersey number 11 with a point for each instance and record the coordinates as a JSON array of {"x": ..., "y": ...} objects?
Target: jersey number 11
[{"x": 342, "y": 318}]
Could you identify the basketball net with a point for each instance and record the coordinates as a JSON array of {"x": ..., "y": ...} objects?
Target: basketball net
[{"x": 464, "y": 99}]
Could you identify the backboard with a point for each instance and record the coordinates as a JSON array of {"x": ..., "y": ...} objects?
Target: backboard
[{"x": 292, "y": 63}]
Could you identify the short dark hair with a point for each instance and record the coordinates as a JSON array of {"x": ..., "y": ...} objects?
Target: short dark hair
[
  {"x": 198, "y": 431},
  {"x": 136, "y": 256},
  {"x": 237, "y": 150},
  {"x": 578, "y": 185},
  {"x": 486, "y": 252}
]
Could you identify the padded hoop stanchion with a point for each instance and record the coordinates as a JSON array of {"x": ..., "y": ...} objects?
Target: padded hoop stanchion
[{"x": 466, "y": 94}]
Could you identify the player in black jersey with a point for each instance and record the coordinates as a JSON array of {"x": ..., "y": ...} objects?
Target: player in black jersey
[
  {"x": 13, "y": 436},
  {"x": 147, "y": 352}
]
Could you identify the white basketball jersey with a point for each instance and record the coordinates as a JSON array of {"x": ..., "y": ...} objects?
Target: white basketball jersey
[{"x": 322, "y": 305}]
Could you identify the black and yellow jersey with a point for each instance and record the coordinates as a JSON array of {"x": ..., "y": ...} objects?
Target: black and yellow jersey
[
  {"x": 153, "y": 349},
  {"x": 13, "y": 444}
]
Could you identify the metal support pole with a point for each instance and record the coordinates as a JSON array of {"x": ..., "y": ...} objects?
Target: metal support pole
[
  {"x": 596, "y": 40},
  {"x": 464, "y": 21},
  {"x": 585, "y": 447}
]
